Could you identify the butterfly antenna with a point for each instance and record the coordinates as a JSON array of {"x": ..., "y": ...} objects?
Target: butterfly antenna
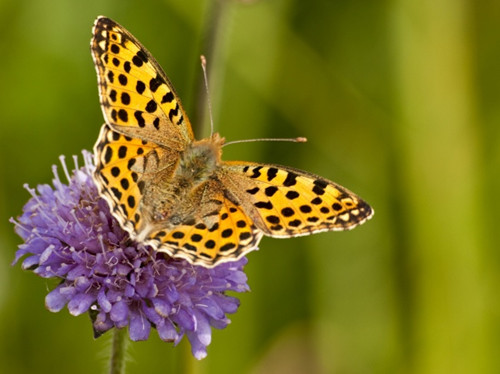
[
  {"x": 300, "y": 139},
  {"x": 204, "y": 67}
]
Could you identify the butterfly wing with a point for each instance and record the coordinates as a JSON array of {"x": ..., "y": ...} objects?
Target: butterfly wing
[
  {"x": 125, "y": 169},
  {"x": 285, "y": 202},
  {"x": 137, "y": 98},
  {"x": 220, "y": 235}
]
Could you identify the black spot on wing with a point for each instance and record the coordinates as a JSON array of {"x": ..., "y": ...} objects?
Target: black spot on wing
[
  {"x": 196, "y": 238},
  {"x": 256, "y": 172},
  {"x": 124, "y": 183},
  {"x": 271, "y": 173},
  {"x": 227, "y": 247},
  {"x": 253, "y": 191},
  {"x": 125, "y": 97},
  {"x": 108, "y": 154},
  {"x": 287, "y": 212},
  {"x": 140, "y": 120},
  {"x": 167, "y": 98},
  {"x": 115, "y": 171},
  {"x": 140, "y": 87},
  {"x": 290, "y": 180},
  {"x": 122, "y": 79},
  {"x": 271, "y": 190},
  {"x": 123, "y": 115},
  {"x": 173, "y": 112},
  {"x": 264, "y": 205},
  {"x": 151, "y": 106},
  {"x": 156, "y": 82}
]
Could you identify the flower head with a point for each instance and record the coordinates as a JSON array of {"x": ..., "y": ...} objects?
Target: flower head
[{"x": 69, "y": 234}]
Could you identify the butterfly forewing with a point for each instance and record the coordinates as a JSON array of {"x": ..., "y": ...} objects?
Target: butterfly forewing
[
  {"x": 137, "y": 98},
  {"x": 286, "y": 202}
]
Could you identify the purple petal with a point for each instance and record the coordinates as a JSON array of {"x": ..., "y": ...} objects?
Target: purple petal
[
  {"x": 82, "y": 283},
  {"x": 220, "y": 323},
  {"x": 67, "y": 291},
  {"x": 80, "y": 303},
  {"x": 237, "y": 277},
  {"x": 167, "y": 331},
  {"x": 227, "y": 303},
  {"x": 44, "y": 257},
  {"x": 55, "y": 301},
  {"x": 198, "y": 350},
  {"x": 139, "y": 327},
  {"x": 202, "y": 329},
  {"x": 119, "y": 312},
  {"x": 129, "y": 291},
  {"x": 102, "y": 322},
  {"x": 171, "y": 293},
  {"x": 29, "y": 262},
  {"x": 210, "y": 307},
  {"x": 78, "y": 271},
  {"x": 151, "y": 315},
  {"x": 162, "y": 307},
  {"x": 184, "y": 319},
  {"x": 103, "y": 301}
]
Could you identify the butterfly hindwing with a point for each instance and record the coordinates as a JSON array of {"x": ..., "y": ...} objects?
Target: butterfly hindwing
[
  {"x": 287, "y": 202},
  {"x": 222, "y": 235},
  {"x": 125, "y": 168},
  {"x": 136, "y": 96}
]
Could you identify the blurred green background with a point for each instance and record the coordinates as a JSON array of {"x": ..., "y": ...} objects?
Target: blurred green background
[{"x": 400, "y": 101}]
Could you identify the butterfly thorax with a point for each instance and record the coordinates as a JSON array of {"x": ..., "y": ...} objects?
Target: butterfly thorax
[
  {"x": 200, "y": 159},
  {"x": 175, "y": 195}
]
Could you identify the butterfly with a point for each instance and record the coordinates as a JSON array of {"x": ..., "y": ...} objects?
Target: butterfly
[{"x": 173, "y": 192}]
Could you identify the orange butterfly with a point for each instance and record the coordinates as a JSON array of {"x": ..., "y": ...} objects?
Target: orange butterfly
[{"x": 174, "y": 192}]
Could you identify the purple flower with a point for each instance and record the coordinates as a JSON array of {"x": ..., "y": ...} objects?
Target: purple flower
[{"x": 69, "y": 233}]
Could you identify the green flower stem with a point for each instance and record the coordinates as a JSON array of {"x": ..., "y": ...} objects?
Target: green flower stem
[
  {"x": 187, "y": 363},
  {"x": 118, "y": 350}
]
